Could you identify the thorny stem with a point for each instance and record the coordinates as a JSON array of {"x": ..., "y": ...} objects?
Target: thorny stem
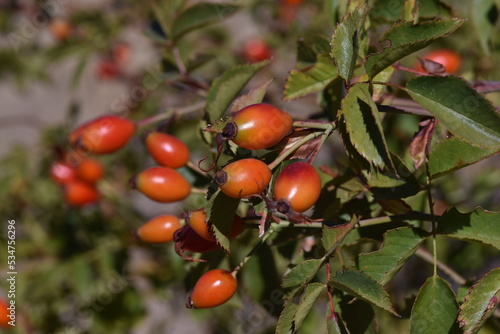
[
  {"x": 262, "y": 240},
  {"x": 168, "y": 113}
]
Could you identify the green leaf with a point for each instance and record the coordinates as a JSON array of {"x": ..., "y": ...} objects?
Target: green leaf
[
  {"x": 435, "y": 309},
  {"x": 345, "y": 44},
  {"x": 379, "y": 90},
  {"x": 254, "y": 96},
  {"x": 464, "y": 111},
  {"x": 307, "y": 300},
  {"x": 387, "y": 184},
  {"x": 358, "y": 284},
  {"x": 454, "y": 153},
  {"x": 480, "y": 302},
  {"x": 399, "y": 245},
  {"x": 484, "y": 27},
  {"x": 220, "y": 211},
  {"x": 392, "y": 10},
  {"x": 225, "y": 88},
  {"x": 310, "y": 47},
  {"x": 310, "y": 80},
  {"x": 333, "y": 236},
  {"x": 200, "y": 15},
  {"x": 332, "y": 324},
  {"x": 300, "y": 275},
  {"x": 478, "y": 225},
  {"x": 363, "y": 126},
  {"x": 406, "y": 38},
  {"x": 285, "y": 321}
]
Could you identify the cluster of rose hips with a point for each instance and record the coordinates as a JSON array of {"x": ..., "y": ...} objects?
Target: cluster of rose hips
[
  {"x": 256, "y": 127},
  {"x": 76, "y": 171}
]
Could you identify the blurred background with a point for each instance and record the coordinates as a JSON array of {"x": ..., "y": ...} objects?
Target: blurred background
[{"x": 62, "y": 63}]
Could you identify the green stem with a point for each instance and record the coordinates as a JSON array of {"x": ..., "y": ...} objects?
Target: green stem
[
  {"x": 430, "y": 258},
  {"x": 321, "y": 125},
  {"x": 273, "y": 228},
  {"x": 414, "y": 215}
]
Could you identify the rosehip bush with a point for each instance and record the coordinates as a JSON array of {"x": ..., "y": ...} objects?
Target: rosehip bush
[{"x": 326, "y": 185}]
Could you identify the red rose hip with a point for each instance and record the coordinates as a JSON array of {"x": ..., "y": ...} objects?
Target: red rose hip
[
  {"x": 297, "y": 187},
  {"x": 167, "y": 150},
  {"x": 105, "y": 134},
  {"x": 197, "y": 219},
  {"x": 78, "y": 193},
  {"x": 258, "y": 126},
  {"x": 162, "y": 184},
  {"x": 212, "y": 289},
  {"x": 159, "y": 229},
  {"x": 243, "y": 178}
]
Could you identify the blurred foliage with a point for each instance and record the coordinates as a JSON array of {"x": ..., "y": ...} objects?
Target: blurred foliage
[{"x": 84, "y": 271}]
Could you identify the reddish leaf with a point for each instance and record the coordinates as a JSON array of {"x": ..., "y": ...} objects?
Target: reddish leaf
[
  {"x": 419, "y": 148},
  {"x": 432, "y": 67}
]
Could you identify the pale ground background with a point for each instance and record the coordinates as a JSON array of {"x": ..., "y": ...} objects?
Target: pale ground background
[{"x": 24, "y": 113}]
